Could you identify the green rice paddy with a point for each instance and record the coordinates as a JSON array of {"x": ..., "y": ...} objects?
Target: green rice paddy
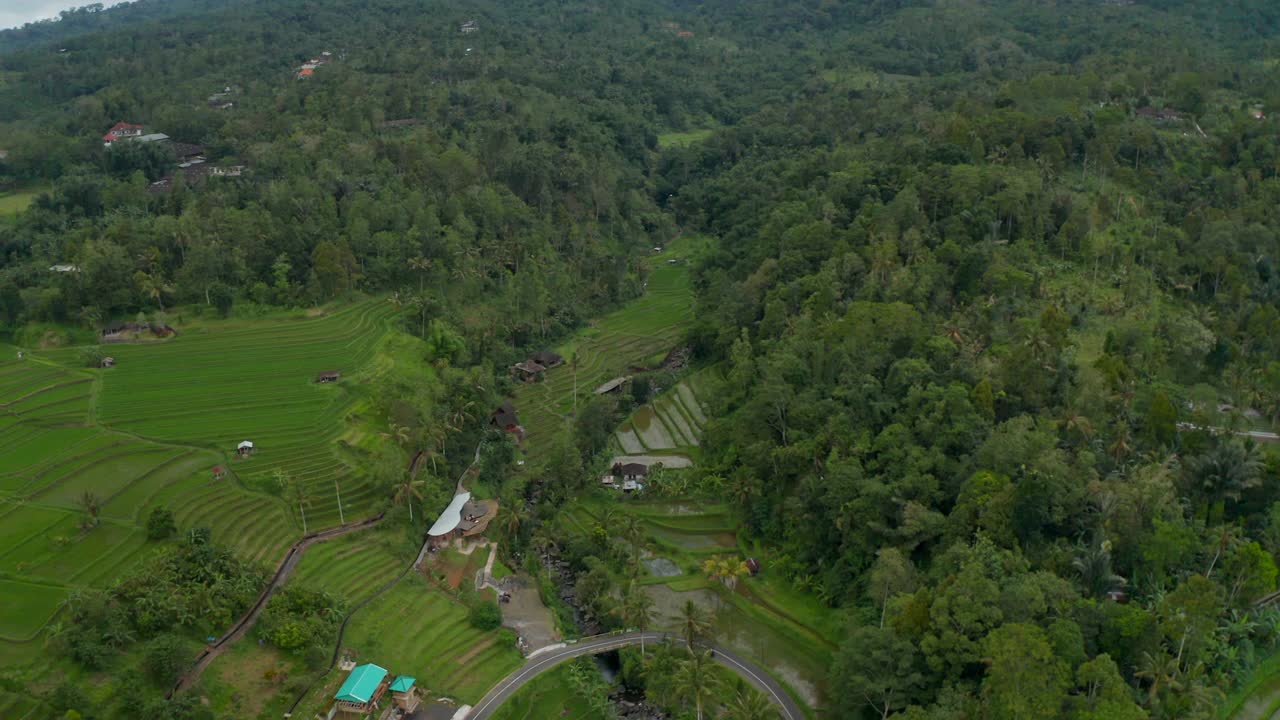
[
  {"x": 639, "y": 334},
  {"x": 146, "y": 433},
  {"x": 14, "y": 203},
  {"x": 418, "y": 629}
]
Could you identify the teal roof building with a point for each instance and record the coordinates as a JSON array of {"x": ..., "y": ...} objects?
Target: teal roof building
[{"x": 362, "y": 684}]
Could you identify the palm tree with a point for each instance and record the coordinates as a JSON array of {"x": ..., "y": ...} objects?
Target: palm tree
[
  {"x": 407, "y": 490},
  {"x": 1226, "y": 471},
  {"x": 694, "y": 623},
  {"x": 633, "y": 531},
  {"x": 92, "y": 505},
  {"x": 637, "y": 608},
  {"x": 422, "y": 265},
  {"x": 1161, "y": 670},
  {"x": 303, "y": 498},
  {"x": 1094, "y": 568},
  {"x": 747, "y": 704},
  {"x": 510, "y": 518},
  {"x": 695, "y": 681}
]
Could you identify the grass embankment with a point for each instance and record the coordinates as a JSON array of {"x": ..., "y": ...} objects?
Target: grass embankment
[
  {"x": 551, "y": 696},
  {"x": 1258, "y": 698},
  {"x": 639, "y": 334}
]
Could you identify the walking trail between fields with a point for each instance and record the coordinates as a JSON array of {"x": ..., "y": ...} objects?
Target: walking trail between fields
[{"x": 246, "y": 622}]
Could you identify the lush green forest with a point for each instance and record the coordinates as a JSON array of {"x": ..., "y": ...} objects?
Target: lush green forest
[{"x": 993, "y": 287}]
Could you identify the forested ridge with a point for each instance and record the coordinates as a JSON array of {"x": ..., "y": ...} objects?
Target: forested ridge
[{"x": 994, "y": 286}]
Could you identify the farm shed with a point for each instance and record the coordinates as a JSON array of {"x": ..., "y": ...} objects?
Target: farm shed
[
  {"x": 613, "y": 386},
  {"x": 505, "y": 419},
  {"x": 361, "y": 691},
  {"x": 630, "y": 471},
  {"x": 107, "y": 362},
  {"x": 244, "y": 448},
  {"x": 219, "y": 472},
  {"x": 329, "y": 376}
]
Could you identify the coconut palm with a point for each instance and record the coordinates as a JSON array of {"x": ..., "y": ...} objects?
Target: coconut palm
[
  {"x": 1094, "y": 568},
  {"x": 511, "y": 518},
  {"x": 694, "y": 623},
  {"x": 695, "y": 681},
  {"x": 303, "y": 498},
  {"x": 407, "y": 491},
  {"x": 637, "y": 608},
  {"x": 747, "y": 704},
  {"x": 1161, "y": 670}
]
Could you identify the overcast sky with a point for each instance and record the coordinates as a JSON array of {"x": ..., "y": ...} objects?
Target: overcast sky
[{"x": 19, "y": 12}]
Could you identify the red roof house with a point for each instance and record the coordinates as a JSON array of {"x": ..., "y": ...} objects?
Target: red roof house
[{"x": 122, "y": 130}]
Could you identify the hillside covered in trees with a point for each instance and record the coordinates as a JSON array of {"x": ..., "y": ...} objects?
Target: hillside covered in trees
[{"x": 994, "y": 286}]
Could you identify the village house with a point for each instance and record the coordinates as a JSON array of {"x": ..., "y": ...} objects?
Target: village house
[
  {"x": 361, "y": 691},
  {"x": 404, "y": 692},
  {"x": 119, "y": 331},
  {"x": 463, "y": 518},
  {"x": 528, "y": 371},
  {"x": 329, "y": 376},
  {"x": 4, "y": 154},
  {"x": 121, "y": 131},
  {"x": 505, "y": 419},
  {"x": 404, "y": 122},
  {"x": 64, "y": 268},
  {"x": 187, "y": 152}
]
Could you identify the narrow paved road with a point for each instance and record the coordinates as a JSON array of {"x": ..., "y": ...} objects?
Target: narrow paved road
[
  {"x": 283, "y": 571},
  {"x": 508, "y": 686}
]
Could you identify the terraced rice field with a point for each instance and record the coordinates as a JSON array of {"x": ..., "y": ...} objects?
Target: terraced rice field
[
  {"x": 672, "y": 422},
  {"x": 636, "y": 335},
  {"x": 418, "y": 630},
  {"x": 51, "y": 455},
  {"x": 146, "y": 433},
  {"x": 352, "y": 567},
  {"x": 256, "y": 382}
]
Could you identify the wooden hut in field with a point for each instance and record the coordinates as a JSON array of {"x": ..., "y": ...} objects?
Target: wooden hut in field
[
  {"x": 329, "y": 376},
  {"x": 361, "y": 691},
  {"x": 219, "y": 472},
  {"x": 245, "y": 448},
  {"x": 613, "y": 386},
  {"x": 107, "y": 362}
]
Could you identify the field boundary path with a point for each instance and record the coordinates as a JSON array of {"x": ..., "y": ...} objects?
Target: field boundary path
[
  {"x": 283, "y": 571},
  {"x": 554, "y": 656}
]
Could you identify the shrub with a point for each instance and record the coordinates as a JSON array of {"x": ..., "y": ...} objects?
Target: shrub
[
  {"x": 165, "y": 659},
  {"x": 485, "y": 615},
  {"x": 160, "y": 525}
]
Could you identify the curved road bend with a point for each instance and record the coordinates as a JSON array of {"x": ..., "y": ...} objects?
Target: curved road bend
[{"x": 508, "y": 686}]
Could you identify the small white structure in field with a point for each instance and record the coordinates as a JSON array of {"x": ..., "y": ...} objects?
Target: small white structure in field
[{"x": 244, "y": 448}]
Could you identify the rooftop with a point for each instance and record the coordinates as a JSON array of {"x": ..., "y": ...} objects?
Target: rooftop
[
  {"x": 402, "y": 683},
  {"x": 361, "y": 684},
  {"x": 451, "y": 517}
]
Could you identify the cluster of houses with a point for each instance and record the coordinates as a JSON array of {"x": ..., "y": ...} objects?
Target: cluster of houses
[
  {"x": 308, "y": 68},
  {"x": 364, "y": 694},
  {"x": 188, "y": 158}
]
